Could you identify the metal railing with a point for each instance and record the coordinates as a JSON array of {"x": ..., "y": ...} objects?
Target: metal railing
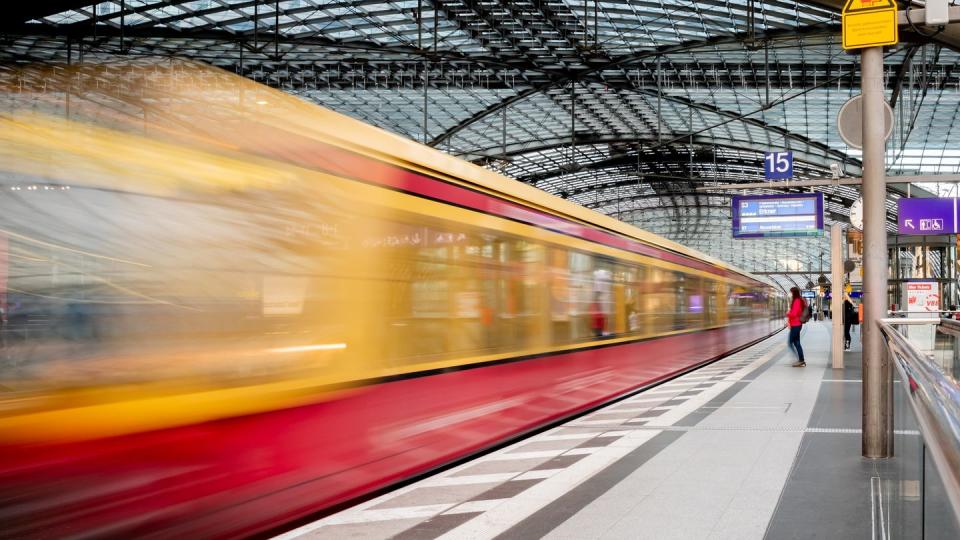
[
  {"x": 903, "y": 313},
  {"x": 934, "y": 400},
  {"x": 950, "y": 325}
]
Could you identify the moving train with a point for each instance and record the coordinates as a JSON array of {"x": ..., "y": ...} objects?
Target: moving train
[{"x": 225, "y": 308}]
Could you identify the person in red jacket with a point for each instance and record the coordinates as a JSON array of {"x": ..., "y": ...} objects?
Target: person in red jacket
[{"x": 797, "y": 305}]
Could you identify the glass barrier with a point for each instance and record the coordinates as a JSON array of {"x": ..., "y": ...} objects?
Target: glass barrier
[{"x": 922, "y": 484}]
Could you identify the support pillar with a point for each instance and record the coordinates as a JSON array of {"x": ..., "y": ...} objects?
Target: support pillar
[
  {"x": 836, "y": 296},
  {"x": 877, "y": 401}
]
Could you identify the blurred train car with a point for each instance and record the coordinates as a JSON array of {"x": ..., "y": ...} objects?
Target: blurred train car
[{"x": 225, "y": 308}]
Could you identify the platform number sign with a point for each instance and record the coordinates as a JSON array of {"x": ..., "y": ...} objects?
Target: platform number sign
[{"x": 778, "y": 165}]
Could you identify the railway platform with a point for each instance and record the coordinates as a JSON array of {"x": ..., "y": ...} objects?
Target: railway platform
[{"x": 747, "y": 447}]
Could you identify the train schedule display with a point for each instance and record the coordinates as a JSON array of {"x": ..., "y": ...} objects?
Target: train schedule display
[{"x": 777, "y": 216}]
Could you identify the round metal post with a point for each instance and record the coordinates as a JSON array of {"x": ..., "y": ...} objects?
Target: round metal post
[
  {"x": 877, "y": 401},
  {"x": 836, "y": 295}
]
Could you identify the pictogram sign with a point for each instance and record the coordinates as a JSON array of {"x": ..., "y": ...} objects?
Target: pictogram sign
[{"x": 869, "y": 23}]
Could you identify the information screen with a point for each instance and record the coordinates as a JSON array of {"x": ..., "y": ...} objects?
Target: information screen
[{"x": 777, "y": 216}]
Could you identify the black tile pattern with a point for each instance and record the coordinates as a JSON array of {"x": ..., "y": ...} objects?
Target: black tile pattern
[
  {"x": 559, "y": 462},
  {"x": 598, "y": 442},
  {"x": 506, "y": 490}
]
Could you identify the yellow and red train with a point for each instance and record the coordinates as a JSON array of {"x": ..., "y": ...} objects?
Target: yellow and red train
[{"x": 227, "y": 309}]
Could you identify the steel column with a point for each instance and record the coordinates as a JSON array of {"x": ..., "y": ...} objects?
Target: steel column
[
  {"x": 877, "y": 435},
  {"x": 836, "y": 296}
]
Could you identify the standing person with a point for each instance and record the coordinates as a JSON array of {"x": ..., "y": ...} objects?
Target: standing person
[
  {"x": 797, "y": 306},
  {"x": 849, "y": 317}
]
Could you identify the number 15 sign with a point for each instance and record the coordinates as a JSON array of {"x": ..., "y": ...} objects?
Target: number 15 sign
[{"x": 778, "y": 165}]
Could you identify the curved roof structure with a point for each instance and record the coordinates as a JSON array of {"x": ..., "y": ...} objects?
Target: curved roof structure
[{"x": 626, "y": 107}]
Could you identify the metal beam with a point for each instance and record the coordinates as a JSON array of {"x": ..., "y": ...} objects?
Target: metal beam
[
  {"x": 918, "y": 15},
  {"x": 845, "y": 181},
  {"x": 627, "y": 60},
  {"x": 245, "y": 38},
  {"x": 950, "y": 37},
  {"x": 902, "y": 72},
  {"x": 25, "y": 11},
  {"x": 783, "y": 273},
  {"x": 585, "y": 139}
]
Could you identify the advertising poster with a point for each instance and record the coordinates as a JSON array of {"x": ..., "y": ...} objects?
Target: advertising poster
[
  {"x": 922, "y": 300},
  {"x": 923, "y": 297}
]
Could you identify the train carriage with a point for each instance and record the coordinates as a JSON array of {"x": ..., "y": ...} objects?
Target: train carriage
[{"x": 216, "y": 327}]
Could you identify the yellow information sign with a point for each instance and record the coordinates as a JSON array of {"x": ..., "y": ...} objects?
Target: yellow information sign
[{"x": 869, "y": 23}]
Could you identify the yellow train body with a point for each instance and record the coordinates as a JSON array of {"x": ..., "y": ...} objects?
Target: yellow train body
[{"x": 214, "y": 254}]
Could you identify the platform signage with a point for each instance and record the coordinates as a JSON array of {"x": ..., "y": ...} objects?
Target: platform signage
[
  {"x": 869, "y": 23},
  {"x": 808, "y": 294},
  {"x": 923, "y": 216},
  {"x": 923, "y": 296},
  {"x": 778, "y": 165},
  {"x": 777, "y": 216}
]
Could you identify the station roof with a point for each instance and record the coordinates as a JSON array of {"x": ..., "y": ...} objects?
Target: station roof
[{"x": 626, "y": 107}]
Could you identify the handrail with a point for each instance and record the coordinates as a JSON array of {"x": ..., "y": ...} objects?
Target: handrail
[
  {"x": 950, "y": 324},
  {"x": 911, "y": 320},
  {"x": 935, "y": 401},
  {"x": 907, "y": 312}
]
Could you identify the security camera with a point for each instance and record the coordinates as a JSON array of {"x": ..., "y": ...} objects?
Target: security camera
[{"x": 835, "y": 171}]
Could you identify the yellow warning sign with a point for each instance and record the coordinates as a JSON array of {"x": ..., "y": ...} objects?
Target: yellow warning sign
[
  {"x": 869, "y": 23},
  {"x": 856, "y": 6}
]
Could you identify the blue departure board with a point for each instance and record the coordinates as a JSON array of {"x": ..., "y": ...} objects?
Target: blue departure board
[{"x": 777, "y": 216}]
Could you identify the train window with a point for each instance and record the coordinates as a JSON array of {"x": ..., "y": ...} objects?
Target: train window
[
  {"x": 721, "y": 291},
  {"x": 710, "y": 302},
  {"x": 661, "y": 300},
  {"x": 417, "y": 290},
  {"x": 559, "y": 292},
  {"x": 523, "y": 320},
  {"x": 624, "y": 292},
  {"x": 602, "y": 321},
  {"x": 694, "y": 303},
  {"x": 581, "y": 288}
]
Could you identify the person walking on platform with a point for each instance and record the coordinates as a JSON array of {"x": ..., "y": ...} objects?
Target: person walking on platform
[
  {"x": 849, "y": 318},
  {"x": 795, "y": 322}
]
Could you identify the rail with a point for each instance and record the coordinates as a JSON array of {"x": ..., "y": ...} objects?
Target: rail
[
  {"x": 934, "y": 399},
  {"x": 903, "y": 313},
  {"x": 950, "y": 325}
]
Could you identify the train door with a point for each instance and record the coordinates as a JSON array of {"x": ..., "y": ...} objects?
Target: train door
[
  {"x": 603, "y": 296},
  {"x": 694, "y": 303},
  {"x": 660, "y": 301},
  {"x": 629, "y": 309},
  {"x": 720, "y": 291},
  {"x": 581, "y": 286},
  {"x": 532, "y": 303},
  {"x": 558, "y": 278}
]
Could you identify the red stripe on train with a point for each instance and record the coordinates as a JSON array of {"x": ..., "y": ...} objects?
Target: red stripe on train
[{"x": 243, "y": 475}]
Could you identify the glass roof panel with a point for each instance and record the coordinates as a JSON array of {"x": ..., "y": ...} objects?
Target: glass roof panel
[{"x": 669, "y": 96}]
